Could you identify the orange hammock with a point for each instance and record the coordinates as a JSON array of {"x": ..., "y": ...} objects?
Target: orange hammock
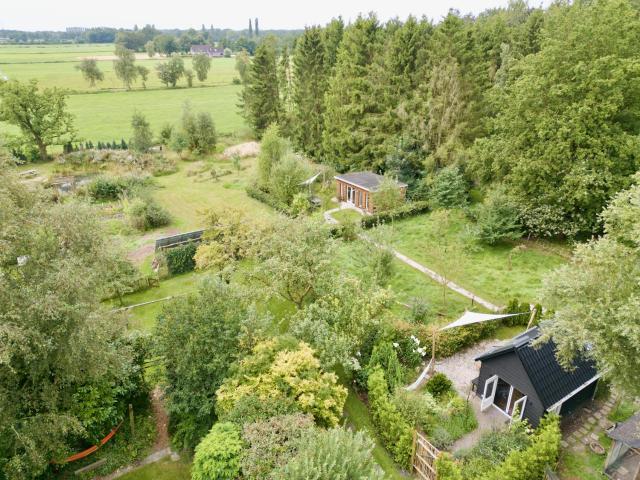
[{"x": 90, "y": 450}]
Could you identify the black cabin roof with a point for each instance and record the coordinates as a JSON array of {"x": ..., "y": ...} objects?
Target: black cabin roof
[
  {"x": 551, "y": 381},
  {"x": 367, "y": 180}
]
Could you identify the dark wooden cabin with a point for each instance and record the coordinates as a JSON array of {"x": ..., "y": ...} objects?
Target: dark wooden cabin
[{"x": 356, "y": 188}]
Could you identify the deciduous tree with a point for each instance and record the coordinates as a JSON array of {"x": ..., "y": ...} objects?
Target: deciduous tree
[
  {"x": 41, "y": 115},
  {"x": 90, "y": 71},
  {"x": 202, "y": 65}
]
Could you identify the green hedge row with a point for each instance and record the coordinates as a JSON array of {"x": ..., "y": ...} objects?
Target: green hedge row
[
  {"x": 264, "y": 197},
  {"x": 406, "y": 210},
  {"x": 180, "y": 259},
  {"x": 395, "y": 432}
]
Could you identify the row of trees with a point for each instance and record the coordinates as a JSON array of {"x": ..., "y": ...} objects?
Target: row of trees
[{"x": 544, "y": 101}]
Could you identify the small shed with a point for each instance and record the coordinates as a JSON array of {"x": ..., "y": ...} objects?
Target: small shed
[
  {"x": 520, "y": 377},
  {"x": 356, "y": 188},
  {"x": 623, "y": 461}
]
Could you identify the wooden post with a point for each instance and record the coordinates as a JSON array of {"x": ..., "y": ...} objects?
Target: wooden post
[
  {"x": 413, "y": 451},
  {"x": 131, "y": 422},
  {"x": 531, "y": 318}
]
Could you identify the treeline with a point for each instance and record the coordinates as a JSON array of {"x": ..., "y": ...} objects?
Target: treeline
[
  {"x": 542, "y": 106},
  {"x": 180, "y": 41},
  {"x": 90, "y": 35}
]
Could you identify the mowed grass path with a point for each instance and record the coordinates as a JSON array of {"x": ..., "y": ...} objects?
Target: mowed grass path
[{"x": 487, "y": 271}]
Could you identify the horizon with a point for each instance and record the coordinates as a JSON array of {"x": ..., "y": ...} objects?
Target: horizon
[{"x": 40, "y": 15}]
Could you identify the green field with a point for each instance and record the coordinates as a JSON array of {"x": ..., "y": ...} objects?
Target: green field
[{"x": 103, "y": 113}]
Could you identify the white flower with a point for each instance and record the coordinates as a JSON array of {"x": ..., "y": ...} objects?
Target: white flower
[
  {"x": 358, "y": 353},
  {"x": 395, "y": 344}
]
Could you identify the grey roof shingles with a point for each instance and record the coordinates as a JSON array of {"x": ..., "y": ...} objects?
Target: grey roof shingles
[
  {"x": 628, "y": 432},
  {"x": 551, "y": 381},
  {"x": 366, "y": 180}
]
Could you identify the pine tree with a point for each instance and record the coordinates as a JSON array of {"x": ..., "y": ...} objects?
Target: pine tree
[
  {"x": 257, "y": 30},
  {"x": 250, "y": 28},
  {"x": 349, "y": 99},
  {"x": 285, "y": 80},
  {"x": 310, "y": 84},
  {"x": 332, "y": 37},
  {"x": 260, "y": 99}
]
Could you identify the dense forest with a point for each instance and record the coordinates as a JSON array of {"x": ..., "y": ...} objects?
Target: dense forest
[{"x": 539, "y": 107}]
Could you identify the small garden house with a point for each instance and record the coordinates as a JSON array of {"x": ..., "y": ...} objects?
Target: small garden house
[
  {"x": 521, "y": 377},
  {"x": 356, "y": 188}
]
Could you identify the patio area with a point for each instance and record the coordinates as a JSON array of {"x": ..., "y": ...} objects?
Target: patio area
[{"x": 461, "y": 369}]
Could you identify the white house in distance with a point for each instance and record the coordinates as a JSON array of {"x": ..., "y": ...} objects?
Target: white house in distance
[{"x": 208, "y": 50}]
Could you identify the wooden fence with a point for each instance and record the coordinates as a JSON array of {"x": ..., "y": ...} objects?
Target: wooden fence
[
  {"x": 177, "y": 240},
  {"x": 424, "y": 457}
]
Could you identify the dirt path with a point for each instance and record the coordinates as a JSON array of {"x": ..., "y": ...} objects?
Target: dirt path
[{"x": 162, "y": 420}]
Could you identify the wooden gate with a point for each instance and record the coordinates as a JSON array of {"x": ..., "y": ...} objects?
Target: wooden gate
[{"x": 424, "y": 457}]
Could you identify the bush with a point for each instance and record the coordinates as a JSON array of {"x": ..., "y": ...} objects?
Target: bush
[
  {"x": 406, "y": 210},
  {"x": 333, "y": 454},
  {"x": 439, "y": 385},
  {"x": 498, "y": 219},
  {"x": 449, "y": 189},
  {"x": 145, "y": 214},
  {"x": 252, "y": 408},
  {"x": 112, "y": 188},
  {"x": 384, "y": 356},
  {"x": 300, "y": 204},
  {"x": 418, "y": 408},
  {"x": 264, "y": 197},
  {"x": 447, "y": 467},
  {"x": 530, "y": 463},
  {"x": 181, "y": 259},
  {"x": 394, "y": 430},
  {"x": 272, "y": 443},
  {"x": 285, "y": 178},
  {"x": 217, "y": 456}
]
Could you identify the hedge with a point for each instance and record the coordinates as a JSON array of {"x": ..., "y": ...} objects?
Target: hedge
[
  {"x": 180, "y": 259},
  {"x": 406, "y": 210},
  {"x": 394, "y": 430},
  {"x": 268, "y": 199}
]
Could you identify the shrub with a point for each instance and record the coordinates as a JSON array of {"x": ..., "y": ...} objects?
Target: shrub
[
  {"x": 405, "y": 211},
  {"x": 286, "y": 177},
  {"x": 272, "y": 443},
  {"x": 112, "y": 188},
  {"x": 264, "y": 197},
  {"x": 333, "y": 454},
  {"x": 142, "y": 137},
  {"x": 181, "y": 259},
  {"x": 252, "y": 408},
  {"x": 217, "y": 456},
  {"x": 530, "y": 463},
  {"x": 498, "y": 219},
  {"x": 384, "y": 356},
  {"x": 144, "y": 214},
  {"x": 418, "y": 408},
  {"x": 273, "y": 148},
  {"x": 394, "y": 430},
  {"x": 448, "y": 189},
  {"x": 447, "y": 468},
  {"x": 300, "y": 204},
  {"x": 388, "y": 196},
  {"x": 439, "y": 384}
]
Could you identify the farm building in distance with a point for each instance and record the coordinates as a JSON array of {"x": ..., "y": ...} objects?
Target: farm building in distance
[
  {"x": 520, "y": 377},
  {"x": 208, "y": 50},
  {"x": 356, "y": 188}
]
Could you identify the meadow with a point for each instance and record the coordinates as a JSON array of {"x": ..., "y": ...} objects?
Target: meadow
[{"x": 103, "y": 113}]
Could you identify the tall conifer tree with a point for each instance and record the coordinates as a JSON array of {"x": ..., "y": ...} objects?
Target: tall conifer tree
[
  {"x": 310, "y": 84},
  {"x": 260, "y": 98}
]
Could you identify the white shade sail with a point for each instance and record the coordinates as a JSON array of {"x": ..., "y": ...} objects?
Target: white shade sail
[{"x": 473, "y": 317}]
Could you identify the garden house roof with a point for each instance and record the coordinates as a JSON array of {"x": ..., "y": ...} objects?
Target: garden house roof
[{"x": 365, "y": 180}]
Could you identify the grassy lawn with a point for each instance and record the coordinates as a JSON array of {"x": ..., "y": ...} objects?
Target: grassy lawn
[
  {"x": 348, "y": 215},
  {"x": 186, "y": 194},
  {"x": 496, "y": 273},
  {"x": 165, "y": 469},
  {"x": 407, "y": 283},
  {"x": 358, "y": 415}
]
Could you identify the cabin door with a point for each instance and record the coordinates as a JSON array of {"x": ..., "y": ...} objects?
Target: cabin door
[
  {"x": 489, "y": 392},
  {"x": 351, "y": 194}
]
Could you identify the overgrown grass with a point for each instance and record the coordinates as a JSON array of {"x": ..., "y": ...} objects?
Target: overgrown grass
[
  {"x": 357, "y": 414},
  {"x": 497, "y": 273},
  {"x": 584, "y": 465}
]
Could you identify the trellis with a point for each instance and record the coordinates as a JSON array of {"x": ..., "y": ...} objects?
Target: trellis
[{"x": 424, "y": 457}]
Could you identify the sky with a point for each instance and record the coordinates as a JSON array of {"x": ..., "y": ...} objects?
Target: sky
[{"x": 274, "y": 14}]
